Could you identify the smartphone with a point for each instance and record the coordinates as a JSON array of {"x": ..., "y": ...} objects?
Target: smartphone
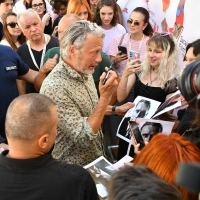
[
  {"x": 122, "y": 49},
  {"x": 135, "y": 133},
  {"x": 134, "y": 55},
  {"x": 107, "y": 74}
]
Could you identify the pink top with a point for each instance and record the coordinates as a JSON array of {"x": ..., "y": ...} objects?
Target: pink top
[{"x": 113, "y": 49}]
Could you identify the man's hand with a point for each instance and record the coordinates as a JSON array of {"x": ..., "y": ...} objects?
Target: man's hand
[
  {"x": 49, "y": 64},
  {"x": 3, "y": 147},
  {"x": 110, "y": 86},
  {"x": 121, "y": 110}
]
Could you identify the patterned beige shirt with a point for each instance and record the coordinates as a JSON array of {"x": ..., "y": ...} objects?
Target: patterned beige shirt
[{"x": 76, "y": 98}]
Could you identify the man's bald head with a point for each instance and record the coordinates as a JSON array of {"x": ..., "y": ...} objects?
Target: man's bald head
[
  {"x": 65, "y": 22},
  {"x": 28, "y": 117}
]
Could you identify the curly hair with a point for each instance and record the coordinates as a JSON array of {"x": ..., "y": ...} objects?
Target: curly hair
[
  {"x": 164, "y": 153},
  {"x": 168, "y": 68},
  {"x": 74, "y": 8},
  {"x": 110, "y": 3},
  {"x": 21, "y": 39}
]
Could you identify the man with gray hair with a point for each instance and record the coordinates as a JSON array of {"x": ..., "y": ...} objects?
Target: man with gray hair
[
  {"x": 32, "y": 52},
  {"x": 71, "y": 87},
  {"x": 27, "y": 171}
]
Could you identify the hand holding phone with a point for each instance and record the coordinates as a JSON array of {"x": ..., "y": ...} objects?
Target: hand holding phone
[
  {"x": 136, "y": 134},
  {"x": 123, "y": 50},
  {"x": 134, "y": 55},
  {"x": 107, "y": 74}
]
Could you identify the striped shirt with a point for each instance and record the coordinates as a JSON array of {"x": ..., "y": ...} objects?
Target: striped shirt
[{"x": 113, "y": 49}]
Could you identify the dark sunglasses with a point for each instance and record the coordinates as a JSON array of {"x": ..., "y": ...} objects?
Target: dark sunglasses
[
  {"x": 40, "y": 5},
  {"x": 163, "y": 34},
  {"x": 12, "y": 24},
  {"x": 130, "y": 21}
]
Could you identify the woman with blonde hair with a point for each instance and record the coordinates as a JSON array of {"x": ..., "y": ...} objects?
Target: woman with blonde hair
[
  {"x": 80, "y": 8},
  {"x": 155, "y": 78},
  {"x": 164, "y": 153}
]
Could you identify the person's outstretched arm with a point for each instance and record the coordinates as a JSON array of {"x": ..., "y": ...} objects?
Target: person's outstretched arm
[{"x": 127, "y": 80}]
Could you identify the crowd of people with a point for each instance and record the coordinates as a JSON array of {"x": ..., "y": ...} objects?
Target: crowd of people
[{"x": 66, "y": 66}]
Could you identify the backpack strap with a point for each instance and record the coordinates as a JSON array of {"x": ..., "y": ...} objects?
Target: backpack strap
[{"x": 121, "y": 40}]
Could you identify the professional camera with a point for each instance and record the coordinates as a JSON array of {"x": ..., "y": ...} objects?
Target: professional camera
[{"x": 189, "y": 84}]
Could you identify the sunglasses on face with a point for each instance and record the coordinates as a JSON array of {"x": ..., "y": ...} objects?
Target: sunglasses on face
[
  {"x": 135, "y": 23},
  {"x": 40, "y": 5},
  {"x": 12, "y": 24}
]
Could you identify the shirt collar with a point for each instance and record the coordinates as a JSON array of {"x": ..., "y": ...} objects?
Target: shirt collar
[
  {"x": 72, "y": 72},
  {"x": 12, "y": 163}
]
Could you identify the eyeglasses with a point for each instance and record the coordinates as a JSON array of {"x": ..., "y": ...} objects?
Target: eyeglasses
[
  {"x": 135, "y": 23},
  {"x": 12, "y": 24},
  {"x": 40, "y": 5}
]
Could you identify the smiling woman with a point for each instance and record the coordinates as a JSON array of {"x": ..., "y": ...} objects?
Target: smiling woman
[
  {"x": 139, "y": 32},
  {"x": 40, "y": 7},
  {"x": 157, "y": 79},
  {"x": 13, "y": 35}
]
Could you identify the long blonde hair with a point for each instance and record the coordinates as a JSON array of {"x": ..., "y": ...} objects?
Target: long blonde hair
[{"x": 168, "y": 68}]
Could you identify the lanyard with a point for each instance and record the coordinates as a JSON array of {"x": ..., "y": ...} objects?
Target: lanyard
[
  {"x": 43, "y": 53},
  {"x": 129, "y": 43}
]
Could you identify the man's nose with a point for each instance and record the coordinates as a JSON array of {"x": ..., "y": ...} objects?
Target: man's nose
[{"x": 98, "y": 58}]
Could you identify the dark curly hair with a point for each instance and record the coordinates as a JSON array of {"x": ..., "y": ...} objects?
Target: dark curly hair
[{"x": 102, "y": 3}]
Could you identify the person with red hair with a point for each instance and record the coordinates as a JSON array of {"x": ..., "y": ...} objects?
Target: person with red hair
[
  {"x": 164, "y": 153},
  {"x": 80, "y": 8}
]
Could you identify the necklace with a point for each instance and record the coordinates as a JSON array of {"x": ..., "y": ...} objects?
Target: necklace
[
  {"x": 151, "y": 81},
  {"x": 43, "y": 53}
]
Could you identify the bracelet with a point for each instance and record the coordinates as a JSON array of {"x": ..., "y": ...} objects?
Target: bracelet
[
  {"x": 122, "y": 88},
  {"x": 114, "y": 110}
]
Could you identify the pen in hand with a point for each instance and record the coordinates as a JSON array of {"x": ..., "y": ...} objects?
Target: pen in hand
[{"x": 107, "y": 74}]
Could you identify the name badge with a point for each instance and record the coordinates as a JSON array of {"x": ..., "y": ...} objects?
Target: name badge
[{"x": 11, "y": 68}]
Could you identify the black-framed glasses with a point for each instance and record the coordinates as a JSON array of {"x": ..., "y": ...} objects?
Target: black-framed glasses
[
  {"x": 40, "y": 5},
  {"x": 12, "y": 24},
  {"x": 135, "y": 23}
]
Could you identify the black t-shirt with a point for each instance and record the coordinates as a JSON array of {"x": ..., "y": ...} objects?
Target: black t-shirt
[
  {"x": 48, "y": 28},
  {"x": 44, "y": 177},
  {"x": 26, "y": 57}
]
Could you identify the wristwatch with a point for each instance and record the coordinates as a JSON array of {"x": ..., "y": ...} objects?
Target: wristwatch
[{"x": 113, "y": 110}]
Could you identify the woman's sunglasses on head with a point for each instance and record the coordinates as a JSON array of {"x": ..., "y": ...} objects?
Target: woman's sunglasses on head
[
  {"x": 135, "y": 23},
  {"x": 163, "y": 34},
  {"x": 12, "y": 24}
]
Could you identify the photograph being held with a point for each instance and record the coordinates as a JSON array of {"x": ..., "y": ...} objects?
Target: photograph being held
[{"x": 141, "y": 109}]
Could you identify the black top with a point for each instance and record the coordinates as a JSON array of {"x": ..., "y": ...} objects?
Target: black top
[
  {"x": 26, "y": 57},
  {"x": 155, "y": 93},
  {"x": 56, "y": 21},
  {"x": 1, "y": 31},
  {"x": 44, "y": 178},
  {"x": 48, "y": 28}
]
